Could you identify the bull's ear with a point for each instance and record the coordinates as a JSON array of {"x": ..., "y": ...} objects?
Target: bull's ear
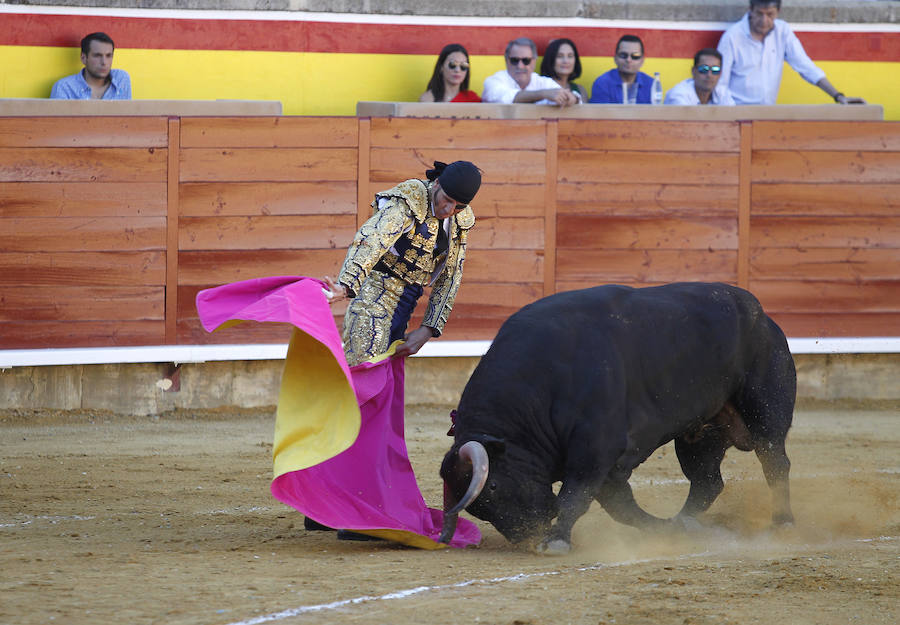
[{"x": 494, "y": 446}]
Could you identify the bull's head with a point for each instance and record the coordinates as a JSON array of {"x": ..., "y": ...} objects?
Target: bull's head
[{"x": 479, "y": 478}]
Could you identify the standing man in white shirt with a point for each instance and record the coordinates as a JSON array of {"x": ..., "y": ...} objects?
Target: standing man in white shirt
[
  {"x": 754, "y": 50},
  {"x": 703, "y": 88},
  {"x": 519, "y": 83}
]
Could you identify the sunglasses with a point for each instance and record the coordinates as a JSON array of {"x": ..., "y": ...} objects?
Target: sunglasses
[
  {"x": 455, "y": 66},
  {"x": 634, "y": 56},
  {"x": 515, "y": 60},
  {"x": 705, "y": 69}
]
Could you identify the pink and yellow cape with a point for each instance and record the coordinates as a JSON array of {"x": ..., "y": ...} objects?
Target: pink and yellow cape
[{"x": 339, "y": 450}]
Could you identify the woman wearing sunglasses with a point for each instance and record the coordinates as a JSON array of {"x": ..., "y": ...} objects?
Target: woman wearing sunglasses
[
  {"x": 450, "y": 79},
  {"x": 629, "y": 58},
  {"x": 704, "y": 87}
]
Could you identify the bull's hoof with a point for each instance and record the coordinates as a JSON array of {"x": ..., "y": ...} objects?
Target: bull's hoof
[
  {"x": 783, "y": 520},
  {"x": 554, "y": 547}
]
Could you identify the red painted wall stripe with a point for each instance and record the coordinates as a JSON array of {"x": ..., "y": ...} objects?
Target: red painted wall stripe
[{"x": 373, "y": 38}]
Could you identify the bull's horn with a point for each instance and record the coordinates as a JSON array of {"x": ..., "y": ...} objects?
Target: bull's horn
[{"x": 476, "y": 455}]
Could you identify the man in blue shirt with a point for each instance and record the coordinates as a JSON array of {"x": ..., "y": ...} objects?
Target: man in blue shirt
[
  {"x": 97, "y": 81},
  {"x": 629, "y": 58}
]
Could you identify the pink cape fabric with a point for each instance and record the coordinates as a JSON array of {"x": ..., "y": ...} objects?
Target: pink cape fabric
[{"x": 370, "y": 486}]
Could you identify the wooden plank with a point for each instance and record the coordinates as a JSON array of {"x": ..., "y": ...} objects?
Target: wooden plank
[
  {"x": 190, "y": 332},
  {"x": 826, "y": 135},
  {"x": 82, "y": 164},
  {"x": 648, "y": 135},
  {"x": 837, "y": 325},
  {"x": 825, "y": 264},
  {"x": 573, "y": 285},
  {"x": 828, "y": 167},
  {"x": 819, "y": 296},
  {"x": 493, "y": 200},
  {"x": 826, "y": 200},
  {"x": 648, "y": 167},
  {"x": 644, "y": 200},
  {"x": 501, "y": 295},
  {"x": 602, "y": 266},
  {"x": 199, "y": 199},
  {"x": 267, "y": 232},
  {"x": 81, "y": 303},
  {"x": 550, "y": 207},
  {"x": 267, "y": 164},
  {"x": 90, "y": 234},
  {"x": 590, "y": 232},
  {"x": 60, "y": 334},
  {"x": 518, "y": 266},
  {"x": 214, "y": 268},
  {"x": 82, "y": 199},
  {"x": 172, "y": 212},
  {"x": 499, "y": 166},
  {"x": 507, "y": 233},
  {"x": 743, "y": 261},
  {"x": 268, "y": 132},
  {"x": 806, "y": 232},
  {"x": 83, "y": 268},
  {"x": 467, "y": 134},
  {"x": 82, "y": 132},
  {"x": 363, "y": 198}
]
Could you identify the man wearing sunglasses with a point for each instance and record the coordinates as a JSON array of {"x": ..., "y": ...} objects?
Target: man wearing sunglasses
[
  {"x": 520, "y": 84},
  {"x": 703, "y": 88},
  {"x": 629, "y": 59},
  {"x": 754, "y": 51}
]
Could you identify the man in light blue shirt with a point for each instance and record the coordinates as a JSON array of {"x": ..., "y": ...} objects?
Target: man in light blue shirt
[
  {"x": 703, "y": 87},
  {"x": 97, "y": 81},
  {"x": 754, "y": 50}
]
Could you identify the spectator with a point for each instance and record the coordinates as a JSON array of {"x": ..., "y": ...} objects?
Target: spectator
[
  {"x": 518, "y": 83},
  {"x": 450, "y": 79},
  {"x": 97, "y": 81},
  {"x": 754, "y": 50},
  {"x": 629, "y": 58},
  {"x": 703, "y": 88},
  {"x": 562, "y": 63}
]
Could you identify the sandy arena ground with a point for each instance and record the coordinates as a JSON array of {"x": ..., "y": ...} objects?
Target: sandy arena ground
[{"x": 169, "y": 520}]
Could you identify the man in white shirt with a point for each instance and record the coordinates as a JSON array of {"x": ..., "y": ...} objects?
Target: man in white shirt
[
  {"x": 703, "y": 88},
  {"x": 519, "y": 83},
  {"x": 754, "y": 50}
]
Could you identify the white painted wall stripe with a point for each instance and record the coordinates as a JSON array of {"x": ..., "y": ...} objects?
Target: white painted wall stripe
[{"x": 443, "y": 349}]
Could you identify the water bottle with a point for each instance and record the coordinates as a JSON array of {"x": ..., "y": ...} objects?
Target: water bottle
[{"x": 656, "y": 92}]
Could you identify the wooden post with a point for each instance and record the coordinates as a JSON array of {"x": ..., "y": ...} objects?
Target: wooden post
[
  {"x": 552, "y": 147},
  {"x": 172, "y": 176},
  {"x": 363, "y": 198},
  {"x": 744, "y": 173}
]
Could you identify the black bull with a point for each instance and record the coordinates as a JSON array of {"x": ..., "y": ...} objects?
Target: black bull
[{"x": 581, "y": 387}]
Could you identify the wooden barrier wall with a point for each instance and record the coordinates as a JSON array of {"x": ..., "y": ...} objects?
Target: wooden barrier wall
[{"x": 110, "y": 225}]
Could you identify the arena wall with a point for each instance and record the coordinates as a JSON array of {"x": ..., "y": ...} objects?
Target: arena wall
[{"x": 324, "y": 63}]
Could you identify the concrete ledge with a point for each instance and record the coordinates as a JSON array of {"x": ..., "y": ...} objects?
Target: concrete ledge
[
  {"x": 861, "y": 379},
  {"x": 808, "y": 11}
]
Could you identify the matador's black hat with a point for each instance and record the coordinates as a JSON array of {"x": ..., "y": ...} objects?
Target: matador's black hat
[{"x": 460, "y": 180}]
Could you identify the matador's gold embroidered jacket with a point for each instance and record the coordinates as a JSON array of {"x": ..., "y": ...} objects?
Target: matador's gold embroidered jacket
[{"x": 406, "y": 222}]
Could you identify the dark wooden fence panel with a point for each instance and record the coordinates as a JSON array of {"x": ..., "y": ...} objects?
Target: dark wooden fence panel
[
  {"x": 643, "y": 203},
  {"x": 98, "y": 220},
  {"x": 261, "y": 197},
  {"x": 825, "y": 226},
  {"x": 82, "y": 231}
]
